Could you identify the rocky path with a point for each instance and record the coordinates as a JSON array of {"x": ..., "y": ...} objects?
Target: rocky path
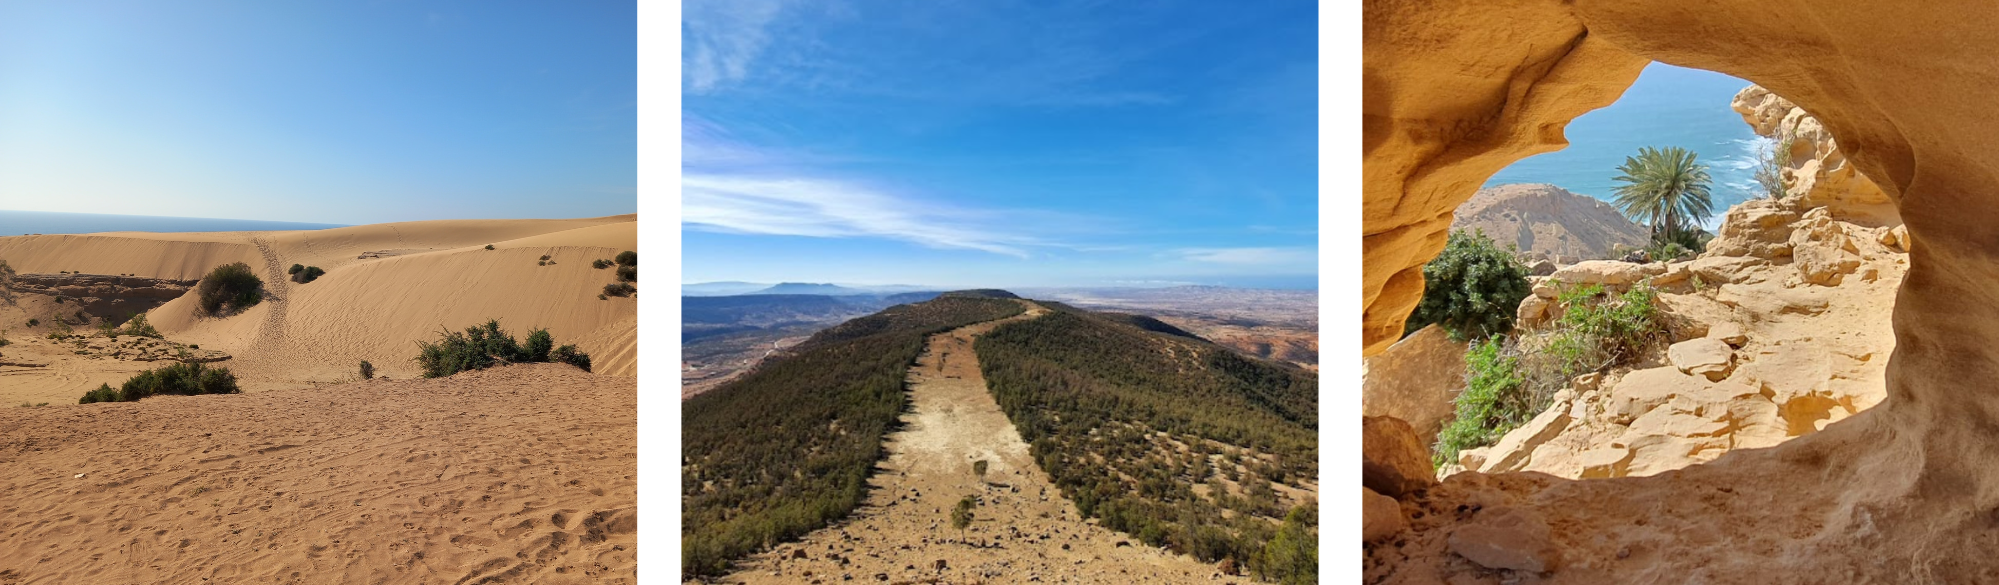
[{"x": 1024, "y": 531}]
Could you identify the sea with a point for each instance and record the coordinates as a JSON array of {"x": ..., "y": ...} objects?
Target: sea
[
  {"x": 1667, "y": 106},
  {"x": 16, "y": 223}
]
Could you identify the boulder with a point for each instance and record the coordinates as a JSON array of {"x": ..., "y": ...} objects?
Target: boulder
[
  {"x": 1759, "y": 228},
  {"x": 1714, "y": 270},
  {"x": 1380, "y": 516},
  {"x": 1506, "y": 537},
  {"x": 1705, "y": 356},
  {"x": 1532, "y": 313},
  {"x": 1416, "y": 380},
  {"x": 1394, "y": 460},
  {"x": 1609, "y": 273},
  {"x": 1515, "y": 450},
  {"x": 1728, "y": 332},
  {"x": 1541, "y": 268},
  {"x": 1604, "y": 462}
]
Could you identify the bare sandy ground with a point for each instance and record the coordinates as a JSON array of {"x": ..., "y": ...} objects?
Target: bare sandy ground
[
  {"x": 1024, "y": 531},
  {"x": 386, "y": 287},
  {"x": 521, "y": 474}
]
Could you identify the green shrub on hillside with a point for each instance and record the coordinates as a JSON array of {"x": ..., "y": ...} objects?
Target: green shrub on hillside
[
  {"x": 628, "y": 274},
  {"x": 1510, "y": 380},
  {"x": 306, "y": 274},
  {"x": 627, "y": 258},
  {"x": 821, "y": 413},
  {"x": 961, "y": 514},
  {"x": 1292, "y": 556},
  {"x": 295, "y": 269},
  {"x": 1494, "y": 401},
  {"x": 232, "y": 285},
  {"x": 620, "y": 289},
  {"x": 1473, "y": 288},
  {"x": 185, "y": 379},
  {"x": 600, "y": 264},
  {"x": 483, "y": 346},
  {"x": 138, "y": 326}
]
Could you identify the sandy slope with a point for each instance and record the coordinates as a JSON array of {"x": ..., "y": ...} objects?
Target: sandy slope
[
  {"x": 1024, "y": 529},
  {"x": 386, "y": 287},
  {"x": 517, "y": 474}
]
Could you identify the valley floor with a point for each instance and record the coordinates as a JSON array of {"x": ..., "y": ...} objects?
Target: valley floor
[{"x": 1023, "y": 531}]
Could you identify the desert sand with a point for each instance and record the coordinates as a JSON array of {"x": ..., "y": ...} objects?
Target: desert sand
[
  {"x": 517, "y": 474},
  {"x": 1023, "y": 529},
  {"x": 386, "y": 287}
]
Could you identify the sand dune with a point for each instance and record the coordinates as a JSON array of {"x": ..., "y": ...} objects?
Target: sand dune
[
  {"x": 386, "y": 287},
  {"x": 516, "y": 474}
]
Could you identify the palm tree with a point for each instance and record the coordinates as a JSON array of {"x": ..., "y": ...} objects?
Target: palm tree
[{"x": 1665, "y": 189}]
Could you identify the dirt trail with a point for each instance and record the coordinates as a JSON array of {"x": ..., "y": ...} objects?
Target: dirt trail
[{"x": 1024, "y": 530}]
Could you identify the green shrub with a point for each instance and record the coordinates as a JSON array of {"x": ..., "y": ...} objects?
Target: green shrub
[
  {"x": 628, "y": 274},
  {"x": 620, "y": 289},
  {"x": 544, "y": 257},
  {"x": 185, "y": 379},
  {"x": 103, "y": 393},
  {"x": 1292, "y": 555},
  {"x": 34, "y": 322},
  {"x": 367, "y": 370},
  {"x": 307, "y": 274},
  {"x": 1473, "y": 288},
  {"x": 231, "y": 285},
  {"x": 61, "y": 328},
  {"x": 979, "y": 468},
  {"x": 568, "y": 354},
  {"x": 1510, "y": 380},
  {"x": 296, "y": 268},
  {"x": 539, "y": 344},
  {"x": 482, "y": 346},
  {"x": 1492, "y": 403},
  {"x": 600, "y": 264},
  {"x": 489, "y": 246},
  {"x": 627, "y": 258},
  {"x": 138, "y": 326},
  {"x": 961, "y": 515}
]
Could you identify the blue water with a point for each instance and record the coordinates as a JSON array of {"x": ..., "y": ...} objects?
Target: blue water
[
  {"x": 1667, "y": 106},
  {"x": 15, "y": 223}
]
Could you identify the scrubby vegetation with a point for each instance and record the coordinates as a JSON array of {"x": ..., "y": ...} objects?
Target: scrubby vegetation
[
  {"x": 628, "y": 274},
  {"x": 230, "y": 286},
  {"x": 1292, "y": 558},
  {"x": 1771, "y": 160},
  {"x": 187, "y": 379},
  {"x": 1473, "y": 288},
  {"x": 1178, "y": 442},
  {"x": 819, "y": 417},
  {"x": 6, "y": 283},
  {"x": 961, "y": 514},
  {"x": 1509, "y": 380},
  {"x": 489, "y": 246},
  {"x": 484, "y": 346},
  {"x": 367, "y": 370},
  {"x": 600, "y": 264},
  {"x": 619, "y": 289},
  {"x": 627, "y": 258},
  {"x": 139, "y": 327},
  {"x": 304, "y": 274}
]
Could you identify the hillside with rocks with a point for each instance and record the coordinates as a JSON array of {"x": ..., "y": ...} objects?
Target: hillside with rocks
[{"x": 1549, "y": 223}]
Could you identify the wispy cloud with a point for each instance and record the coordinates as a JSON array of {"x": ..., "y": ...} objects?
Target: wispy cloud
[
  {"x": 722, "y": 38},
  {"x": 1259, "y": 256},
  {"x": 822, "y": 208}
]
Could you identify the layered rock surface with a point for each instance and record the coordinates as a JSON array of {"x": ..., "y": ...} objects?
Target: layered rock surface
[{"x": 1898, "y": 493}]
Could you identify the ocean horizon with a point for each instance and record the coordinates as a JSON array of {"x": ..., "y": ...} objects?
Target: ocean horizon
[
  {"x": 20, "y": 223},
  {"x": 1667, "y": 106}
]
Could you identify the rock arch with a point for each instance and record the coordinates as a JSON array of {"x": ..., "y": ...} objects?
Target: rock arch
[{"x": 1905, "y": 492}]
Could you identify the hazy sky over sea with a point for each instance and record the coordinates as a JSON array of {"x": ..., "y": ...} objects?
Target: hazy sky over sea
[
  {"x": 1000, "y": 143},
  {"x": 325, "y": 112},
  {"x": 1668, "y": 106}
]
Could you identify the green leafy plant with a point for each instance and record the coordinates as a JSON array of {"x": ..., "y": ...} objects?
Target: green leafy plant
[
  {"x": 186, "y": 379},
  {"x": 1666, "y": 190},
  {"x": 1473, "y": 288},
  {"x": 232, "y": 286},
  {"x": 961, "y": 514},
  {"x": 138, "y": 325},
  {"x": 1494, "y": 401}
]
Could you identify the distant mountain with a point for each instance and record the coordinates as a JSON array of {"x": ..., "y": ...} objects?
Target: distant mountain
[
  {"x": 1549, "y": 222},
  {"x": 709, "y": 289},
  {"x": 909, "y": 297},
  {"x": 807, "y": 288}
]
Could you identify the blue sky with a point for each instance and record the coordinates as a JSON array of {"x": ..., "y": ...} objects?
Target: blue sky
[
  {"x": 1667, "y": 106},
  {"x": 1000, "y": 143},
  {"x": 325, "y": 112}
]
